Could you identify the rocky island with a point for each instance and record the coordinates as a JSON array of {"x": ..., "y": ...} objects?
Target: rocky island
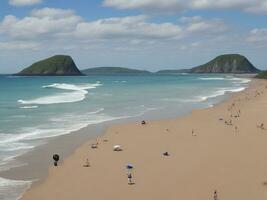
[
  {"x": 59, "y": 65},
  {"x": 229, "y": 63}
]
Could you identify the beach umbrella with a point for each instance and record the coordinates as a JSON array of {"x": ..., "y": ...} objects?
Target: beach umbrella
[{"x": 129, "y": 167}]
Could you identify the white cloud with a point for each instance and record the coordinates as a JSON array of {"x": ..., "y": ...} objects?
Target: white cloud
[
  {"x": 258, "y": 36},
  {"x": 51, "y": 31},
  {"x": 49, "y": 23},
  {"x": 127, "y": 27},
  {"x": 253, "y": 6},
  {"x": 24, "y": 2},
  {"x": 197, "y": 24},
  {"x": 260, "y": 8},
  {"x": 16, "y": 45},
  {"x": 53, "y": 13},
  {"x": 43, "y": 23}
]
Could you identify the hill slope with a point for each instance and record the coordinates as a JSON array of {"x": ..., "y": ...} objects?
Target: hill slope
[
  {"x": 229, "y": 63},
  {"x": 59, "y": 65},
  {"x": 113, "y": 70}
]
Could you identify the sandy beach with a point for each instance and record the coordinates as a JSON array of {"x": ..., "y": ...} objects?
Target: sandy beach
[{"x": 220, "y": 149}]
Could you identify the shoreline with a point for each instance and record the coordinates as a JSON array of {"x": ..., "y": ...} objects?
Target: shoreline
[
  {"x": 29, "y": 158},
  {"x": 32, "y": 191},
  {"x": 39, "y": 159}
]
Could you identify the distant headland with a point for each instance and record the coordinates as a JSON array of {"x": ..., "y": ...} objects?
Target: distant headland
[
  {"x": 113, "y": 70},
  {"x": 63, "y": 65}
]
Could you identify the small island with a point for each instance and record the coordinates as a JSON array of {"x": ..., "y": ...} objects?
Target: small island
[
  {"x": 113, "y": 70},
  {"x": 59, "y": 65},
  {"x": 229, "y": 63}
]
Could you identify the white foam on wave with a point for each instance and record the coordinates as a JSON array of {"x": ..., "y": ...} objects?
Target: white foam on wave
[
  {"x": 220, "y": 92},
  {"x": 13, "y": 189},
  {"x": 60, "y": 125},
  {"x": 212, "y": 78},
  {"x": 66, "y": 86},
  {"x": 14, "y": 145},
  {"x": 196, "y": 99},
  {"x": 240, "y": 80},
  {"x": 75, "y": 93},
  {"x": 28, "y": 107},
  {"x": 181, "y": 100},
  {"x": 227, "y": 78},
  {"x": 120, "y": 81}
]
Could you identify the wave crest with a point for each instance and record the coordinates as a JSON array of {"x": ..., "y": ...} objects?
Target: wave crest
[{"x": 76, "y": 93}]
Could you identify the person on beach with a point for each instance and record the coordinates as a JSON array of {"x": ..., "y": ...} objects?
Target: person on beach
[
  {"x": 261, "y": 126},
  {"x": 56, "y": 159},
  {"x": 87, "y": 164},
  {"x": 94, "y": 146},
  {"x": 215, "y": 195},
  {"x": 143, "y": 122},
  {"x": 129, "y": 175},
  {"x": 166, "y": 153}
]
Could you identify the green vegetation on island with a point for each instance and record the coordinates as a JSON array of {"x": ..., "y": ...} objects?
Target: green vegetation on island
[
  {"x": 113, "y": 70},
  {"x": 59, "y": 65},
  {"x": 229, "y": 63}
]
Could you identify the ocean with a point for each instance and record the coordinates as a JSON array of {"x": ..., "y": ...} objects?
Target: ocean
[{"x": 33, "y": 109}]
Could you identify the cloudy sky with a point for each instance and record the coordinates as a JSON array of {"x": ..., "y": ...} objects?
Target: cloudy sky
[{"x": 142, "y": 34}]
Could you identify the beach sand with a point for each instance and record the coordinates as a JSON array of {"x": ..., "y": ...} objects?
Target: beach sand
[{"x": 231, "y": 159}]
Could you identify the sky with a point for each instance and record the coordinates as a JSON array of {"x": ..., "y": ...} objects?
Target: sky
[{"x": 141, "y": 34}]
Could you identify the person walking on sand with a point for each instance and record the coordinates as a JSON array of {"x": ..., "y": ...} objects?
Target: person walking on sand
[
  {"x": 87, "y": 163},
  {"x": 129, "y": 168},
  {"x": 193, "y": 132},
  {"x": 129, "y": 175}
]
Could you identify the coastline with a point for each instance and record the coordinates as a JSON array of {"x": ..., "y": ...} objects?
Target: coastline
[{"x": 96, "y": 157}]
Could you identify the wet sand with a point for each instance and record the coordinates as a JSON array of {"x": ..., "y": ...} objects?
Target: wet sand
[{"x": 221, "y": 148}]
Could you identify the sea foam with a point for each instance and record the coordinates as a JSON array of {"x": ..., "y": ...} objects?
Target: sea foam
[
  {"x": 12, "y": 189},
  {"x": 220, "y": 92},
  {"x": 75, "y": 93},
  {"x": 227, "y": 78}
]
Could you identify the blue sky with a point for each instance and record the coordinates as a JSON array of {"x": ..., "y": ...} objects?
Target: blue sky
[{"x": 142, "y": 34}]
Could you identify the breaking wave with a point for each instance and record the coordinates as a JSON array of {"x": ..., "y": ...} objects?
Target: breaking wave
[{"x": 75, "y": 93}]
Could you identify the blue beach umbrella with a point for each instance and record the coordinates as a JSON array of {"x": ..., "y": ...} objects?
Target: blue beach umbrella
[{"x": 129, "y": 166}]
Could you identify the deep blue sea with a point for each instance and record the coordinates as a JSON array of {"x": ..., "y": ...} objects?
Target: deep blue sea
[{"x": 35, "y": 108}]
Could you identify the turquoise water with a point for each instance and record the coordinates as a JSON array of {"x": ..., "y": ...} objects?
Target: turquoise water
[{"x": 35, "y": 108}]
